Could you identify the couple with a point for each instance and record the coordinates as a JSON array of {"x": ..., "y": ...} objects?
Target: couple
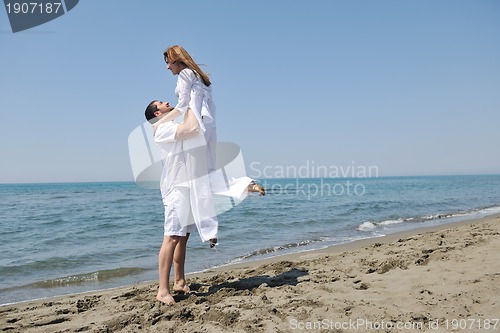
[{"x": 189, "y": 177}]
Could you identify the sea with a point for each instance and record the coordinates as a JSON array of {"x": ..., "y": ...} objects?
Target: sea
[{"x": 66, "y": 238}]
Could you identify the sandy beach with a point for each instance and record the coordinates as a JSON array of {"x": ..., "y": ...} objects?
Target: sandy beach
[{"x": 438, "y": 279}]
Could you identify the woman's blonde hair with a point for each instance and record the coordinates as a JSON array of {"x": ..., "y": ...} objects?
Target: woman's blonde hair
[{"x": 178, "y": 53}]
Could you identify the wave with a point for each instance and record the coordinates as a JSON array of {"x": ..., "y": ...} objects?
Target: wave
[
  {"x": 277, "y": 249},
  {"x": 57, "y": 197},
  {"x": 122, "y": 200},
  {"x": 368, "y": 226},
  {"x": 371, "y": 226},
  {"x": 79, "y": 279}
]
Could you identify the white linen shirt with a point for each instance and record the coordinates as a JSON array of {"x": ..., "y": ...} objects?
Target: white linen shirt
[
  {"x": 185, "y": 166},
  {"x": 174, "y": 164}
]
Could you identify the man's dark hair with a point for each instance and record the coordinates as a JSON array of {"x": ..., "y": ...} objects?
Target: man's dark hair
[{"x": 150, "y": 112}]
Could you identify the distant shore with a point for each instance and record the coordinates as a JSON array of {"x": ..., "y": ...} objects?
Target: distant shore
[{"x": 442, "y": 277}]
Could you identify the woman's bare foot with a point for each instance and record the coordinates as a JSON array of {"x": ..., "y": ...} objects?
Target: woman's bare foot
[
  {"x": 181, "y": 288},
  {"x": 213, "y": 242},
  {"x": 165, "y": 299},
  {"x": 254, "y": 187}
]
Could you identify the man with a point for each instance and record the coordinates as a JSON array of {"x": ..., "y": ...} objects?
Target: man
[
  {"x": 186, "y": 190},
  {"x": 175, "y": 195}
]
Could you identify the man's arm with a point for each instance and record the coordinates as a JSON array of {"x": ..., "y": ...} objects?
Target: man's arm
[
  {"x": 189, "y": 128},
  {"x": 167, "y": 117}
]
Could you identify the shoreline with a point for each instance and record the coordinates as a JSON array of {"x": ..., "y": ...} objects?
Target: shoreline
[
  {"x": 246, "y": 263},
  {"x": 421, "y": 276},
  {"x": 343, "y": 247},
  {"x": 337, "y": 248}
]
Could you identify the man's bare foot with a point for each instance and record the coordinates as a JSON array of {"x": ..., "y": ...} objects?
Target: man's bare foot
[
  {"x": 165, "y": 299},
  {"x": 181, "y": 288}
]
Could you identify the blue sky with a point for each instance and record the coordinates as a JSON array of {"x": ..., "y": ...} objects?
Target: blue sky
[{"x": 411, "y": 87}]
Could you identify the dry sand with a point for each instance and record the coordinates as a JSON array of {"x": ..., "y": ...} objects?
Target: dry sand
[{"x": 432, "y": 280}]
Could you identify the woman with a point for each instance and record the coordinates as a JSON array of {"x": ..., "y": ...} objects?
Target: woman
[{"x": 194, "y": 92}]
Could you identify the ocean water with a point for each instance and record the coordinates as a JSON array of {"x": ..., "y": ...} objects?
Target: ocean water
[{"x": 72, "y": 237}]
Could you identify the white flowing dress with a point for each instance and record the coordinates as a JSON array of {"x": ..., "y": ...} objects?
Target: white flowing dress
[{"x": 193, "y": 94}]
